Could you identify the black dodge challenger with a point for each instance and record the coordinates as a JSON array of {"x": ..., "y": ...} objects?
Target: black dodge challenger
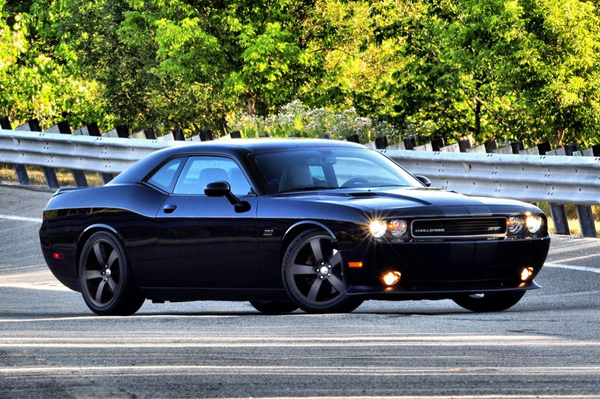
[{"x": 313, "y": 224}]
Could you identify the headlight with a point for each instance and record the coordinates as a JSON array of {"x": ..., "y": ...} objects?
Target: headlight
[
  {"x": 515, "y": 224},
  {"x": 534, "y": 223},
  {"x": 527, "y": 223},
  {"x": 397, "y": 227},
  {"x": 377, "y": 228}
]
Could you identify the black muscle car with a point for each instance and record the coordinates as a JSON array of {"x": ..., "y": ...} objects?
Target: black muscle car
[{"x": 313, "y": 224}]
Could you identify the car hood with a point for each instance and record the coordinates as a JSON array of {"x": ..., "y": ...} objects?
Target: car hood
[{"x": 429, "y": 201}]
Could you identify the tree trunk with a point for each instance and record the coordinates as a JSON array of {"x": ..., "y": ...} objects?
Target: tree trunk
[
  {"x": 560, "y": 136},
  {"x": 251, "y": 104},
  {"x": 477, "y": 110}
]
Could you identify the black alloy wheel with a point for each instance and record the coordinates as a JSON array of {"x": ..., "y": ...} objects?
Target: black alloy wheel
[
  {"x": 274, "y": 307},
  {"x": 106, "y": 282},
  {"x": 489, "y": 301},
  {"x": 313, "y": 274}
]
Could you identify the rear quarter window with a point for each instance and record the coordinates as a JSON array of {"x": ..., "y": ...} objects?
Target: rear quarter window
[{"x": 164, "y": 178}]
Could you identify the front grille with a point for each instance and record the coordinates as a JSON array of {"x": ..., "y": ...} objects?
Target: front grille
[{"x": 459, "y": 228}]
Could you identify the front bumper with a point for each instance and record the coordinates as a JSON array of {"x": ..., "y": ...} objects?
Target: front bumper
[{"x": 442, "y": 269}]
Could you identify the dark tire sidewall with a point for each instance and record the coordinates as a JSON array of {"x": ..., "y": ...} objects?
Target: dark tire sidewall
[
  {"x": 491, "y": 301},
  {"x": 341, "y": 302},
  {"x": 126, "y": 300}
]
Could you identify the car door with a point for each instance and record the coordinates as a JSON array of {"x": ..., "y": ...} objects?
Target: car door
[{"x": 204, "y": 242}]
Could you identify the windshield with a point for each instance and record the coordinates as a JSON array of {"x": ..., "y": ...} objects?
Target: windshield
[{"x": 317, "y": 169}]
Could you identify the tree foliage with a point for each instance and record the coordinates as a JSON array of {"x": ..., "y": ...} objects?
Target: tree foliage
[{"x": 505, "y": 69}]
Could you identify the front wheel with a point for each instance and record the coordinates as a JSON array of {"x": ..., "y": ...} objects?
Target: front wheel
[
  {"x": 313, "y": 274},
  {"x": 106, "y": 282},
  {"x": 489, "y": 301}
]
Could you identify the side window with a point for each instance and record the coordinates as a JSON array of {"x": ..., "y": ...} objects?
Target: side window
[
  {"x": 164, "y": 178},
  {"x": 199, "y": 171}
]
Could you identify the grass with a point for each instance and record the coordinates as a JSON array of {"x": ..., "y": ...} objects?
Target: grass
[
  {"x": 571, "y": 210},
  {"x": 36, "y": 176},
  {"x": 574, "y": 227}
]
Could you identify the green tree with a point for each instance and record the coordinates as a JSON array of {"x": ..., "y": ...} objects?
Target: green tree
[
  {"x": 239, "y": 52},
  {"x": 37, "y": 76},
  {"x": 505, "y": 69},
  {"x": 556, "y": 71}
]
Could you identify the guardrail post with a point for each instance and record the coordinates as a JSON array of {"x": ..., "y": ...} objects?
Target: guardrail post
[
  {"x": 178, "y": 135},
  {"x": 150, "y": 134},
  {"x": 561, "y": 222},
  {"x": 464, "y": 145},
  {"x": 516, "y": 147},
  {"x": 544, "y": 147},
  {"x": 64, "y": 128},
  {"x": 94, "y": 131},
  {"x": 437, "y": 143},
  {"x": 584, "y": 212},
  {"x": 558, "y": 211},
  {"x": 49, "y": 173},
  {"x": 410, "y": 143},
  {"x": 206, "y": 135},
  {"x": 20, "y": 170},
  {"x": 381, "y": 142},
  {"x": 586, "y": 221},
  {"x": 490, "y": 146}
]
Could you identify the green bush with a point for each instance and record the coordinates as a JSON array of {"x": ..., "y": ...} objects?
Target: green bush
[{"x": 296, "y": 119}]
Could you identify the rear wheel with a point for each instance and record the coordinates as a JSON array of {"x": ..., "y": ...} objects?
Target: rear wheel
[
  {"x": 489, "y": 301},
  {"x": 106, "y": 282},
  {"x": 274, "y": 307},
  {"x": 313, "y": 274}
]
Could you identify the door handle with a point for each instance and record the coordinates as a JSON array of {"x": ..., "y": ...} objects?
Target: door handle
[{"x": 169, "y": 208}]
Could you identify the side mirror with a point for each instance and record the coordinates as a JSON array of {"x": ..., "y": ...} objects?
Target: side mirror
[
  {"x": 223, "y": 189},
  {"x": 217, "y": 189},
  {"x": 426, "y": 182}
]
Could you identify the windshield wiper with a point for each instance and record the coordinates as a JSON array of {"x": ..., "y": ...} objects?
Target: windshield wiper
[{"x": 311, "y": 188}]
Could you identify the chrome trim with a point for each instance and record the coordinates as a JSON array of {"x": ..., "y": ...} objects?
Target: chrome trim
[{"x": 442, "y": 237}]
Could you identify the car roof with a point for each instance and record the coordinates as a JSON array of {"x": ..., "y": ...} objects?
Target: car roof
[
  {"x": 238, "y": 148},
  {"x": 262, "y": 144}
]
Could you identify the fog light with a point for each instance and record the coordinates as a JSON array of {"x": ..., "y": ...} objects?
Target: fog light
[
  {"x": 526, "y": 273},
  {"x": 391, "y": 278}
]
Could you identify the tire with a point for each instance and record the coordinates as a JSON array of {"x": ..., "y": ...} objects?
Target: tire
[
  {"x": 274, "y": 307},
  {"x": 313, "y": 274},
  {"x": 106, "y": 280},
  {"x": 490, "y": 301}
]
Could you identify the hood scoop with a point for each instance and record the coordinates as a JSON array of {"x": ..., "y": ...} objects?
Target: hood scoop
[
  {"x": 390, "y": 195},
  {"x": 363, "y": 194}
]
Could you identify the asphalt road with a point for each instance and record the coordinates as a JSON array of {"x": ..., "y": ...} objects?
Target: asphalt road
[{"x": 51, "y": 346}]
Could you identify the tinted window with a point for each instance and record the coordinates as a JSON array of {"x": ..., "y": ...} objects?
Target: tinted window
[
  {"x": 199, "y": 171},
  {"x": 164, "y": 178},
  {"x": 307, "y": 169}
]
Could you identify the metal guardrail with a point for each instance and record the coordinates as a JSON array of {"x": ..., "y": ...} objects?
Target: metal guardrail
[
  {"x": 97, "y": 154},
  {"x": 532, "y": 178}
]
